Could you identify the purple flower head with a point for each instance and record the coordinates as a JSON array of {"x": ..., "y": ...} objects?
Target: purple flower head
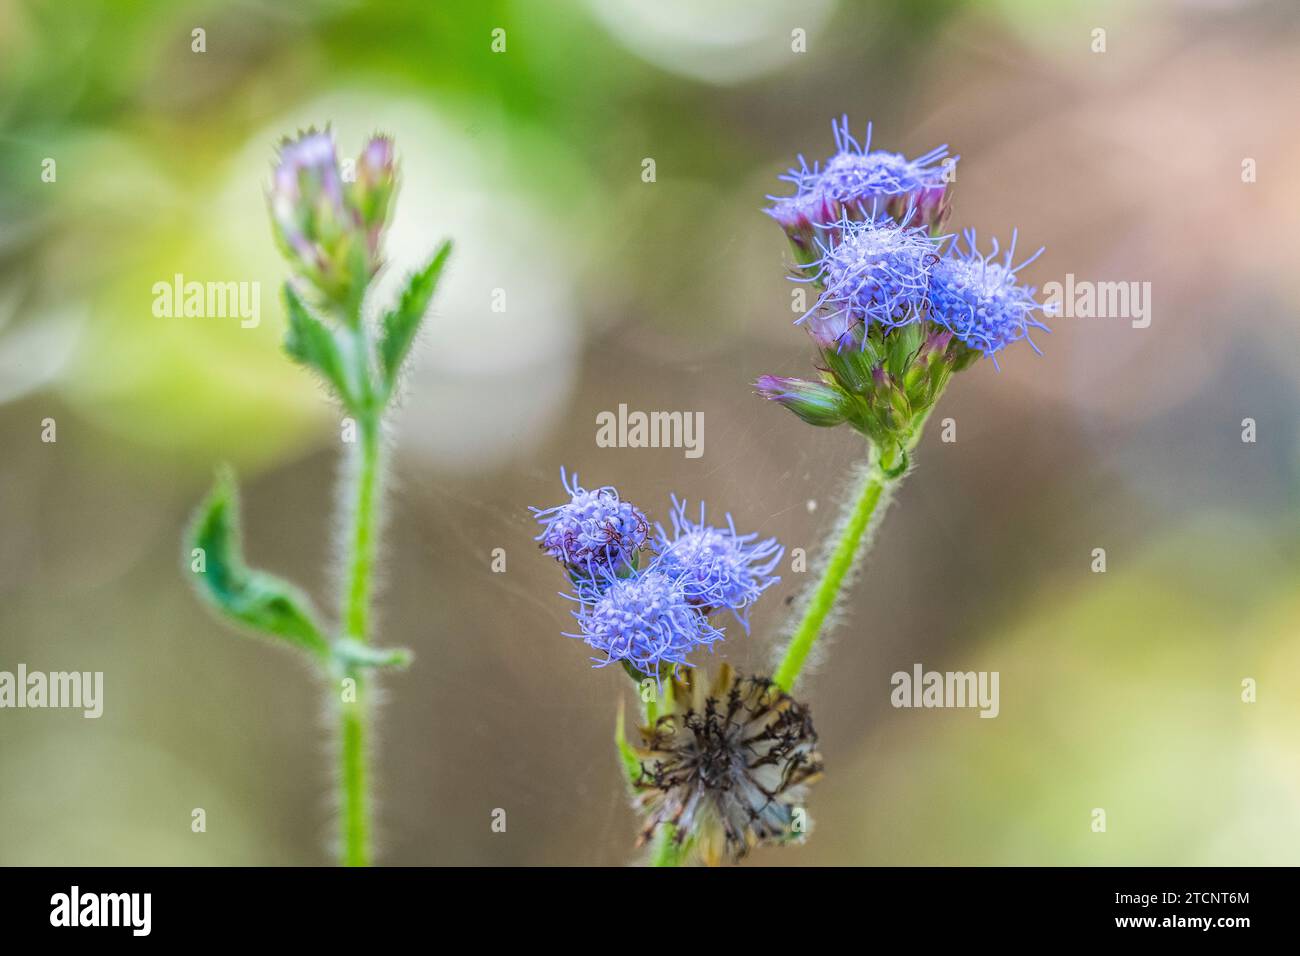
[
  {"x": 857, "y": 175},
  {"x": 980, "y": 300},
  {"x": 646, "y": 621},
  {"x": 878, "y": 272},
  {"x": 856, "y": 179},
  {"x": 594, "y": 531},
  {"x": 717, "y": 567}
]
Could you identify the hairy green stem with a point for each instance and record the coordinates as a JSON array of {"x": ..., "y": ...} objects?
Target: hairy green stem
[
  {"x": 355, "y": 850},
  {"x": 838, "y": 564},
  {"x": 884, "y": 472},
  {"x": 359, "y": 564},
  {"x": 361, "y": 541}
]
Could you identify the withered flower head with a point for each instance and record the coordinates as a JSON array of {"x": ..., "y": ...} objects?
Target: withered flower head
[{"x": 727, "y": 767}]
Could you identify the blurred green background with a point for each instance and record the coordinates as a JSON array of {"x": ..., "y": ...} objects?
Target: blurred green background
[{"x": 1118, "y": 690}]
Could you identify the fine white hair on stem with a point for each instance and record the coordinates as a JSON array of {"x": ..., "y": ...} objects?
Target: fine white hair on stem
[
  {"x": 848, "y": 496},
  {"x": 330, "y": 742},
  {"x": 345, "y": 506}
]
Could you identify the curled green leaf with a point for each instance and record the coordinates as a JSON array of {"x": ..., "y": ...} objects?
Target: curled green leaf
[
  {"x": 254, "y": 599},
  {"x": 352, "y": 653}
]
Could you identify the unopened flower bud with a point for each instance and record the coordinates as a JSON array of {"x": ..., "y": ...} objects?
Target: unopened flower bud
[
  {"x": 372, "y": 192},
  {"x": 317, "y": 224},
  {"x": 814, "y": 402}
]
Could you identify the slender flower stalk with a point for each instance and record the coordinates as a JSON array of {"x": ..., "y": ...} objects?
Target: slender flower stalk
[
  {"x": 362, "y": 540},
  {"x": 838, "y": 564},
  {"x": 354, "y": 774},
  {"x": 360, "y": 557},
  {"x": 331, "y": 233},
  {"x": 845, "y": 550}
]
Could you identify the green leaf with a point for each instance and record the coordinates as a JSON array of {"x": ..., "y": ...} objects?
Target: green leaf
[
  {"x": 254, "y": 599},
  {"x": 627, "y": 755},
  {"x": 312, "y": 343},
  {"x": 353, "y": 653},
  {"x": 401, "y": 324},
  {"x": 902, "y": 345}
]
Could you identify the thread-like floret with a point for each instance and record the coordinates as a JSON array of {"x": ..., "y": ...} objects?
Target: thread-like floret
[{"x": 980, "y": 300}]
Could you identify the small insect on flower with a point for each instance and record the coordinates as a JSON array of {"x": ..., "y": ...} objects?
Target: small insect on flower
[
  {"x": 877, "y": 273},
  {"x": 646, "y": 622},
  {"x": 981, "y": 301},
  {"x": 594, "y": 531},
  {"x": 717, "y": 567},
  {"x": 728, "y": 767}
]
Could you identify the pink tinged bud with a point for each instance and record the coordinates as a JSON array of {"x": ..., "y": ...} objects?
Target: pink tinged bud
[
  {"x": 814, "y": 402},
  {"x": 936, "y": 343},
  {"x": 377, "y": 160},
  {"x": 376, "y": 178},
  {"x": 308, "y": 179},
  {"x": 318, "y": 228},
  {"x": 372, "y": 192}
]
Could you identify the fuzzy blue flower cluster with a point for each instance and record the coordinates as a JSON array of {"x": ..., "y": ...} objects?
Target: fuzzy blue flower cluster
[
  {"x": 646, "y": 602},
  {"x": 876, "y": 271},
  {"x": 645, "y": 621},
  {"x": 865, "y": 227},
  {"x": 980, "y": 300},
  {"x": 899, "y": 305},
  {"x": 593, "y": 531},
  {"x": 880, "y": 273},
  {"x": 717, "y": 567}
]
